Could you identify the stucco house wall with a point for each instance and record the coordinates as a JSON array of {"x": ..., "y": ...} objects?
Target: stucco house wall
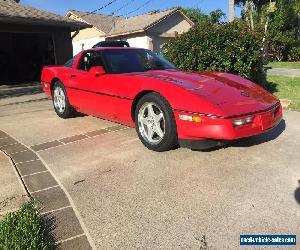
[
  {"x": 83, "y": 44},
  {"x": 139, "y": 40},
  {"x": 86, "y": 38},
  {"x": 166, "y": 30},
  {"x": 175, "y": 23}
]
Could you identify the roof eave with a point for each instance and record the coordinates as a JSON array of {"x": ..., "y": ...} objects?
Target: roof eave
[
  {"x": 187, "y": 18},
  {"x": 71, "y": 12},
  {"x": 125, "y": 33},
  {"x": 154, "y": 23},
  {"x": 44, "y": 22},
  {"x": 170, "y": 14}
]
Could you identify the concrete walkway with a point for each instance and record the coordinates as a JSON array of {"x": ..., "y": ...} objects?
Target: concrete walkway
[
  {"x": 55, "y": 204},
  {"x": 284, "y": 71},
  {"x": 12, "y": 194}
]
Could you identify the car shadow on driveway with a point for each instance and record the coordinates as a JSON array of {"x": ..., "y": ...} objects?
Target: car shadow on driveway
[
  {"x": 20, "y": 90},
  {"x": 297, "y": 193}
]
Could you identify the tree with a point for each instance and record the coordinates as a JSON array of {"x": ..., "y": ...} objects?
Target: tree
[
  {"x": 199, "y": 18},
  {"x": 217, "y": 15},
  {"x": 231, "y": 10},
  {"x": 248, "y": 12},
  {"x": 296, "y": 6},
  {"x": 258, "y": 3},
  {"x": 279, "y": 20},
  {"x": 282, "y": 32},
  {"x": 196, "y": 15}
]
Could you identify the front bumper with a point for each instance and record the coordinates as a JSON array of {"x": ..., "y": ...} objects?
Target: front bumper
[{"x": 222, "y": 129}]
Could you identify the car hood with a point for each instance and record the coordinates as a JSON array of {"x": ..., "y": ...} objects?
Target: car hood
[{"x": 234, "y": 95}]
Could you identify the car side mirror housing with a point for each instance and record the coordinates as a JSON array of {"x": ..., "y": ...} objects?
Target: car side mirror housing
[{"x": 97, "y": 70}]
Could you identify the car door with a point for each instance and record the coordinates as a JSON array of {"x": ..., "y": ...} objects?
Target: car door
[{"x": 87, "y": 90}]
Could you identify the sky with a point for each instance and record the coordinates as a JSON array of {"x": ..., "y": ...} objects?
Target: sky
[{"x": 62, "y": 6}]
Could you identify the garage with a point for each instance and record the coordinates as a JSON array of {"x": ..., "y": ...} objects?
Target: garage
[
  {"x": 30, "y": 39},
  {"x": 23, "y": 55}
]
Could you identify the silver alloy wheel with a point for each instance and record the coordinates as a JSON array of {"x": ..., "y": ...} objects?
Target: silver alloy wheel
[
  {"x": 59, "y": 99},
  {"x": 151, "y": 123}
]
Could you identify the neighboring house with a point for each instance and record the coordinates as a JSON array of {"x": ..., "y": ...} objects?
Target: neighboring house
[
  {"x": 150, "y": 30},
  {"x": 31, "y": 38}
]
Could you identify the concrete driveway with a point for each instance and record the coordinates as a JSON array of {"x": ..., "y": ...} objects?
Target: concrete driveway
[{"x": 131, "y": 198}]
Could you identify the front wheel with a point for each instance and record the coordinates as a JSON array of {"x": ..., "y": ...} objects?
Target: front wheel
[
  {"x": 155, "y": 123},
  {"x": 61, "y": 104}
]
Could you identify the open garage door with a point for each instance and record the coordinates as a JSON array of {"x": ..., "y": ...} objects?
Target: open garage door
[{"x": 22, "y": 56}]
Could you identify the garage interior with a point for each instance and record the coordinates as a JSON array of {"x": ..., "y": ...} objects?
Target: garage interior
[
  {"x": 30, "y": 39},
  {"x": 22, "y": 56}
]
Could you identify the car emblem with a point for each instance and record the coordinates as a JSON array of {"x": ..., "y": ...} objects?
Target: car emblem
[{"x": 245, "y": 94}]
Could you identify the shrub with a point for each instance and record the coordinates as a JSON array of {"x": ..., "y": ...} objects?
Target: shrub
[
  {"x": 278, "y": 48},
  {"x": 228, "y": 47},
  {"x": 294, "y": 54},
  {"x": 23, "y": 230}
]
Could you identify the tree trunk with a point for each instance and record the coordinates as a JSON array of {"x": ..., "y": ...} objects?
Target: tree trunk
[
  {"x": 251, "y": 19},
  {"x": 231, "y": 10}
]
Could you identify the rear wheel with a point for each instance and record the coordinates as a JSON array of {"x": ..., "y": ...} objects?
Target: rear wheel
[
  {"x": 61, "y": 104},
  {"x": 155, "y": 124}
]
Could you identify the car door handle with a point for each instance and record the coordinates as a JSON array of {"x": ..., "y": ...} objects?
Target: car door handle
[{"x": 73, "y": 76}]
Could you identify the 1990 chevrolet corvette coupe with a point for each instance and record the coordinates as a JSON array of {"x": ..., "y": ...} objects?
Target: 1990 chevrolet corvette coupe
[{"x": 167, "y": 106}]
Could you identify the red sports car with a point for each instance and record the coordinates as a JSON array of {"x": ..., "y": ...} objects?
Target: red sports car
[{"x": 167, "y": 106}]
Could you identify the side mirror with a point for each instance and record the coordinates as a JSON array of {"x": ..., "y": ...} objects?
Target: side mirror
[{"x": 97, "y": 70}]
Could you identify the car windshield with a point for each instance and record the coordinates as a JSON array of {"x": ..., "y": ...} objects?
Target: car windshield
[{"x": 134, "y": 60}]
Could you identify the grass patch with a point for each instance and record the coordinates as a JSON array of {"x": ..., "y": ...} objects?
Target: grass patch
[
  {"x": 24, "y": 229},
  {"x": 288, "y": 65},
  {"x": 286, "y": 87}
]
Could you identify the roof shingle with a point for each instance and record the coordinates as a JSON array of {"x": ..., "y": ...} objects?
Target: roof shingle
[
  {"x": 104, "y": 23},
  {"x": 116, "y": 25},
  {"x": 12, "y": 11},
  {"x": 139, "y": 23}
]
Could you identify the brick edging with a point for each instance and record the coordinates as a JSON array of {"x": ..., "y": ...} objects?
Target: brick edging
[{"x": 56, "y": 206}]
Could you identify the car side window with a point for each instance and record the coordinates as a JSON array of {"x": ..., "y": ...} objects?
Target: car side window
[
  {"x": 69, "y": 63},
  {"x": 90, "y": 59}
]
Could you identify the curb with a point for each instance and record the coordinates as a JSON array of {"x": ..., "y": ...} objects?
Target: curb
[{"x": 57, "y": 207}]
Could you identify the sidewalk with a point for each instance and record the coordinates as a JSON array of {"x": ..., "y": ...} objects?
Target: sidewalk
[
  {"x": 12, "y": 193},
  {"x": 59, "y": 213},
  {"x": 284, "y": 71}
]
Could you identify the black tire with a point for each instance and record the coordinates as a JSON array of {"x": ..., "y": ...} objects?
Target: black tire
[
  {"x": 68, "y": 110},
  {"x": 169, "y": 139}
]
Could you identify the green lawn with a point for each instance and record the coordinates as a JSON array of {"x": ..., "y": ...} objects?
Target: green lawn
[
  {"x": 290, "y": 65},
  {"x": 287, "y": 88},
  {"x": 24, "y": 229}
]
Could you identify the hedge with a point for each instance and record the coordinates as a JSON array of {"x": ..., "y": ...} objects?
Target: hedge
[{"x": 229, "y": 47}]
